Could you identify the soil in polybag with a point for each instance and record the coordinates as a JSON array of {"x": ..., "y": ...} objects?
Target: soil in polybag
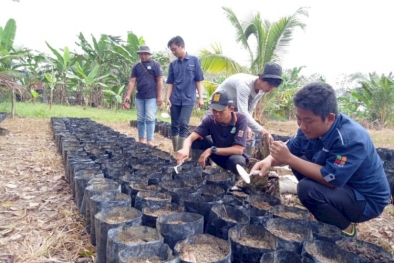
[
  {"x": 200, "y": 205},
  {"x": 327, "y": 252},
  {"x": 81, "y": 181},
  {"x": 94, "y": 180},
  {"x": 222, "y": 218},
  {"x": 135, "y": 188},
  {"x": 290, "y": 212},
  {"x": 154, "y": 253},
  {"x": 366, "y": 252},
  {"x": 178, "y": 226},
  {"x": 257, "y": 217},
  {"x": 250, "y": 242},
  {"x": 103, "y": 200},
  {"x": 156, "y": 178},
  {"x": 284, "y": 256},
  {"x": 263, "y": 201},
  {"x": 151, "y": 198},
  {"x": 325, "y": 232},
  {"x": 179, "y": 194},
  {"x": 85, "y": 173},
  {"x": 150, "y": 214},
  {"x": 92, "y": 190},
  {"x": 290, "y": 232},
  {"x": 128, "y": 236},
  {"x": 212, "y": 190},
  {"x": 111, "y": 218},
  {"x": 222, "y": 179},
  {"x": 203, "y": 248}
]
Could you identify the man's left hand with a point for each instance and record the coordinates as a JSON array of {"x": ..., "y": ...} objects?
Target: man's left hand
[{"x": 203, "y": 157}]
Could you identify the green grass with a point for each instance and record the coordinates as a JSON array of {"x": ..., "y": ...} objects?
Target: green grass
[{"x": 41, "y": 110}]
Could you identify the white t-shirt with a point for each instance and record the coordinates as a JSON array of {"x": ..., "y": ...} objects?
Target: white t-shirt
[{"x": 241, "y": 87}]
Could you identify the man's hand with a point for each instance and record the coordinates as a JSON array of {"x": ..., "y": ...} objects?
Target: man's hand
[
  {"x": 182, "y": 155},
  {"x": 203, "y": 157},
  {"x": 168, "y": 102},
  {"x": 269, "y": 134},
  {"x": 262, "y": 166},
  {"x": 159, "y": 101},
  {"x": 126, "y": 99},
  {"x": 280, "y": 152},
  {"x": 200, "y": 103}
]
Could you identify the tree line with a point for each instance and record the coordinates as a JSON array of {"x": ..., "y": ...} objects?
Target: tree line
[{"x": 99, "y": 74}]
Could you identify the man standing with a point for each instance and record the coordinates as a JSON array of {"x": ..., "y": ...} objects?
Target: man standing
[
  {"x": 148, "y": 76},
  {"x": 341, "y": 176},
  {"x": 184, "y": 77},
  {"x": 248, "y": 89},
  {"x": 228, "y": 132}
]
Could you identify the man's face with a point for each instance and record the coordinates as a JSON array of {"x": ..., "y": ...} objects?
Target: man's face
[
  {"x": 265, "y": 86},
  {"x": 177, "y": 51},
  {"x": 312, "y": 125},
  {"x": 144, "y": 57},
  {"x": 223, "y": 116}
]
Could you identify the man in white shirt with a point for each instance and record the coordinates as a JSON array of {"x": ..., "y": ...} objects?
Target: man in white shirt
[{"x": 248, "y": 89}]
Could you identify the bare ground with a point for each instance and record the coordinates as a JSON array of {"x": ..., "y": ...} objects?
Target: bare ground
[{"x": 38, "y": 219}]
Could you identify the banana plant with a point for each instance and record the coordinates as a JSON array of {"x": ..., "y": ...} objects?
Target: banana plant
[
  {"x": 62, "y": 64},
  {"x": 113, "y": 96},
  {"x": 53, "y": 81},
  {"x": 90, "y": 80}
]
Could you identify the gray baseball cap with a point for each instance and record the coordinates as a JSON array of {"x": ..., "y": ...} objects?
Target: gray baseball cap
[{"x": 272, "y": 70}]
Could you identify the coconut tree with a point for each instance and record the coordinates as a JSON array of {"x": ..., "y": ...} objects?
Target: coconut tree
[
  {"x": 265, "y": 41},
  {"x": 377, "y": 97}
]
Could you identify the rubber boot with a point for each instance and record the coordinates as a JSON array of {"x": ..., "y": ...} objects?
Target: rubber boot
[
  {"x": 175, "y": 142},
  {"x": 180, "y": 143}
]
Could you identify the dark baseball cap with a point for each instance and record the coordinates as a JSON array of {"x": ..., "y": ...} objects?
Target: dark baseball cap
[
  {"x": 272, "y": 70},
  {"x": 220, "y": 100}
]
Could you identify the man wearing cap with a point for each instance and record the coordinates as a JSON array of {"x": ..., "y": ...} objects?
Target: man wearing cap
[
  {"x": 227, "y": 130},
  {"x": 248, "y": 89},
  {"x": 148, "y": 76},
  {"x": 184, "y": 78}
]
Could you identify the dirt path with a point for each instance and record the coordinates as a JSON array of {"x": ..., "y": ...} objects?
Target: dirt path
[{"x": 38, "y": 219}]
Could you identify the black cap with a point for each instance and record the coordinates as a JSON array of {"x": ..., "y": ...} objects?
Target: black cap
[
  {"x": 220, "y": 100},
  {"x": 271, "y": 71}
]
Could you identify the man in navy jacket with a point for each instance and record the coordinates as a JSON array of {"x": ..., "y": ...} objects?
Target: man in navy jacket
[{"x": 341, "y": 176}]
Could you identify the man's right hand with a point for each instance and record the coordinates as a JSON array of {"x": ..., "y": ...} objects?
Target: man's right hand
[
  {"x": 262, "y": 166},
  {"x": 168, "y": 102},
  {"x": 182, "y": 155},
  {"x": 126, "y": 99}
]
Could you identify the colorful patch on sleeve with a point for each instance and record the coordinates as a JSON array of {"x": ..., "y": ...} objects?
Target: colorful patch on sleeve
[
  {"x": 340, "y": 160},
  {"x": 240, "y": 133}
]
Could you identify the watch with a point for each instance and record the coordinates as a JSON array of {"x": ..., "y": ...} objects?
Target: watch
[{"x": 214, "y": 149}]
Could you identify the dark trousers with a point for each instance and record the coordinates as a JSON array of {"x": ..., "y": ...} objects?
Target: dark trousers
[
  {"x": 226, "y": 162},
  {"x": 336, "y": 206},
  {"x": 180, "y": 117}
]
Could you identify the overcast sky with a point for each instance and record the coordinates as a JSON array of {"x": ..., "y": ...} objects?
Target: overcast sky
[{"x": 341, "y": 36}]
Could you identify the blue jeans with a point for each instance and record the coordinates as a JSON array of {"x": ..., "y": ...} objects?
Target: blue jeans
[
  {"x": 180, "y": 117},
  {"x": 146, "y": 116}
]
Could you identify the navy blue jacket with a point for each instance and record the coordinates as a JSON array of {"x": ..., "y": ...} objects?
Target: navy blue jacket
[
  {"x": 348, "y": 156},
  {"x": 184, "y": 74}
]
